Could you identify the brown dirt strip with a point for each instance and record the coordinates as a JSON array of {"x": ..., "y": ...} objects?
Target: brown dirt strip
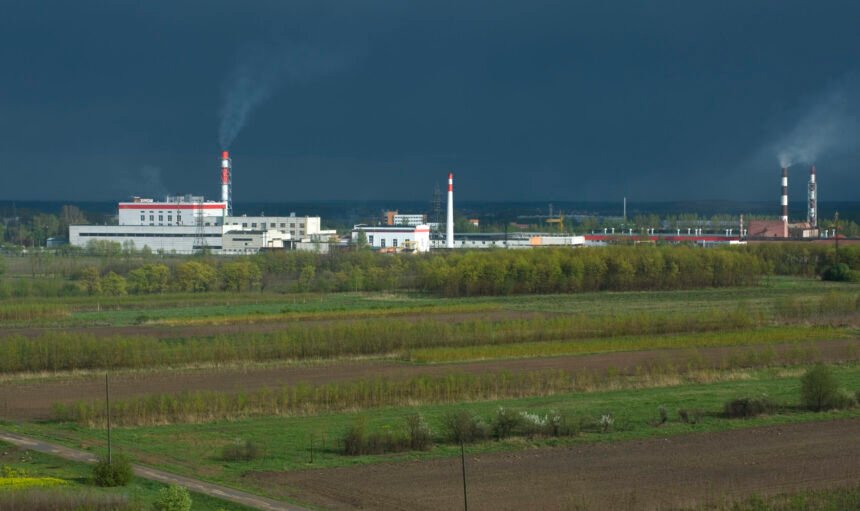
[
  {"x": 34, "y": 400},
  {"x": 266, "y": 326},
  {"x": 664, "y": 473}
]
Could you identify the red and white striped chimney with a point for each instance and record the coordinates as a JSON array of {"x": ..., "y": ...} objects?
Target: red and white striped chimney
[
  {"x": 450, "y": 225},
  {"x": 784, "y": 199},
  {"x": 227, "y": 182}
]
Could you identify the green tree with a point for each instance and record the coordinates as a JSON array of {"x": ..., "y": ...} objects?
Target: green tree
[
  {"x": 361, "y": 241},
  {"x": 149, "y": 278},
  {"x": 116, "y": 472},
  {"x": 91, "y": 281},
  {"x": 306, "y": 277},
  {"x": 114, "y": 285},
  {"x": 819, "y": 389},
  {"x": 240, "y": 276},
  {"x": 195, "y": 276},
  {"x": 172, "y": 498}
]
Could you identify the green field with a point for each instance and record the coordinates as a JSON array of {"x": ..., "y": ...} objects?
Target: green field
[
  {"x": 474, "y": 353},
  {"x": 195, "y": 449}
]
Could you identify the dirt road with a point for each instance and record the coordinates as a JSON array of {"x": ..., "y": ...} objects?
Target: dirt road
[
  {"x": 27, "y": 401},
  {"x": 213, "y": 490},
  {"x": 686, "y": 470}
]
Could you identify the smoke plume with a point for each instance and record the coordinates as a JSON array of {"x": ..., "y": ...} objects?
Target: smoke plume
[
  {"x": 829, "y": 125},
  {"x": 146, "y": 181},
  {"x": 263, "y": 68}
]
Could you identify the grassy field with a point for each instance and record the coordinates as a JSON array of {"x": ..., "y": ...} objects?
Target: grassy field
[
  {"x": 756, "y": 336},
  {"x": 243, "y": 307},
  {"x": 287, "y": 442},
  {"x": 164, "y": 335},
  {"x": 76, "y": 477}
]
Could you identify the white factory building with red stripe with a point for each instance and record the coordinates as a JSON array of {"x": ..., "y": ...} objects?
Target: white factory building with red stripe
[{"x": 185, "y": 224}]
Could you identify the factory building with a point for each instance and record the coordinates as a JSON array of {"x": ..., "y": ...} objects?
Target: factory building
[
  {"x": 392, "y": 218},
  {"x": 395, "y": 239},
  {"x": 251, "y": 242},
  {"x": 179, "y": 210},
  {"x": 508, "y": 240},
  {"x": 298, "y": 227},
  {"x": 170, "y": 239},
  {"x": 185, "y": 224}
]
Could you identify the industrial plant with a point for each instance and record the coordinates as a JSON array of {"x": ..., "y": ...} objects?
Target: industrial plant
[{"x": 187, "y": 224}]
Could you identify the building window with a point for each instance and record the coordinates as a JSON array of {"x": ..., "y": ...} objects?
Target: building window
[
  {"x": 152, "y": 218},
  {"x": 245, "y": 225},
  {"x": 169, "y": 218},
  {"x": 254, "y": 224},
  {"x": 263, "y": 225},
  {"x": 370, "y": 240},
  {"x": 283, "y": 225},
  {"x": 382, "y": 243},
  {"x": 394, "y": 242},
  {"x": 143, "y": 218},
  {"x": 292, "y": 226}
]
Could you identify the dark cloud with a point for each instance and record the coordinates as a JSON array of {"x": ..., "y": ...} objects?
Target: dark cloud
[{"x": 524, "y": 100}]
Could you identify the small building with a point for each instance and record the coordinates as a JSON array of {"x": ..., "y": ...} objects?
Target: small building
[
  {"x": 803, "y": 231},
  {"x": 395, "y": 238},
  {"x": 251, "y": 242},
  {"x": 767, "y": 229},
  {"x": 298, "y": 227}
]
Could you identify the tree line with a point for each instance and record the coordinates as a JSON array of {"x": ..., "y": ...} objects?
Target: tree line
[{"x": 454, "y": 274}]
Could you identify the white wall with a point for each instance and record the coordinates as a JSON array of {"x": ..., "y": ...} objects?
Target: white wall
[{"x": 179, "y": 239}]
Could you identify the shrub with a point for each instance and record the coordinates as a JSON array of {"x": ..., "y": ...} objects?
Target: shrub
[
  {"x": 606, "y": 422},
  {"x": 117, "y": 472},
  {"x": 749, "y": 407},
  {"x": 837, "y": 273},
  {"x": 241, "y": 451},
  {"x": 819, "y": 389},
  {"x": 463, "y": 426},
  {"x": 418, "y": 432},
  {"x": 505, "y": 422},
  {"x": 355, "y": 438},
  {"x": 690, "y": 416},
  {"x": 664, "y": 415},
  {"x": 172, "y": 498}
]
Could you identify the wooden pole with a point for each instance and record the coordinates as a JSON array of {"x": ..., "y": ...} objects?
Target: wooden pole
[
  {"x": 463, "y": 464},
  {"x": 107, "y": 413}
]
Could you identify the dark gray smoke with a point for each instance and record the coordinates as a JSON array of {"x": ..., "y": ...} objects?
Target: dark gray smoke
[
  {"x": 829, "y": 125},
  {"x": 263, "y": 68}
]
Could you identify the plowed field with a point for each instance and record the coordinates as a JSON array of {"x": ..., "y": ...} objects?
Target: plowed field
[{"x": 652, "y": 474}]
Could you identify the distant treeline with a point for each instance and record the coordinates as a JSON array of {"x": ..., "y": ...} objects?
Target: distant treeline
[{"x": 458, "y": 273}]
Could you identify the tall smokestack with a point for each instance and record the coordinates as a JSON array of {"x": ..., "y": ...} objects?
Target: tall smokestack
[
  {"x": 450, "y": 225},
  {"x": 784, "y": 200},
  {"x": 812, "y": 205},
  {"x": 227, "y": 182}
]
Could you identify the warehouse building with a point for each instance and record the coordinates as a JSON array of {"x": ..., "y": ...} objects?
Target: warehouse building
[{"x": 395, "y": 239}]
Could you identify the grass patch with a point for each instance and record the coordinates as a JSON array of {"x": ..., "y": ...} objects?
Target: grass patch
[
  {"x": 766, "y": 335},
  {"x": 71, "y": 483}
]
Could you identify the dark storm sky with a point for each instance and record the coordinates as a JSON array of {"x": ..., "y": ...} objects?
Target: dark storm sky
[{"x": 526, "y": 100}]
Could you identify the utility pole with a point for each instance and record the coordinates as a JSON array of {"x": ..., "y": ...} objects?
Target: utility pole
[
  {"x": 463, "y": 464},
  {"x": 107, "y": 414},
  {"x": 836, "y": 236}
]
